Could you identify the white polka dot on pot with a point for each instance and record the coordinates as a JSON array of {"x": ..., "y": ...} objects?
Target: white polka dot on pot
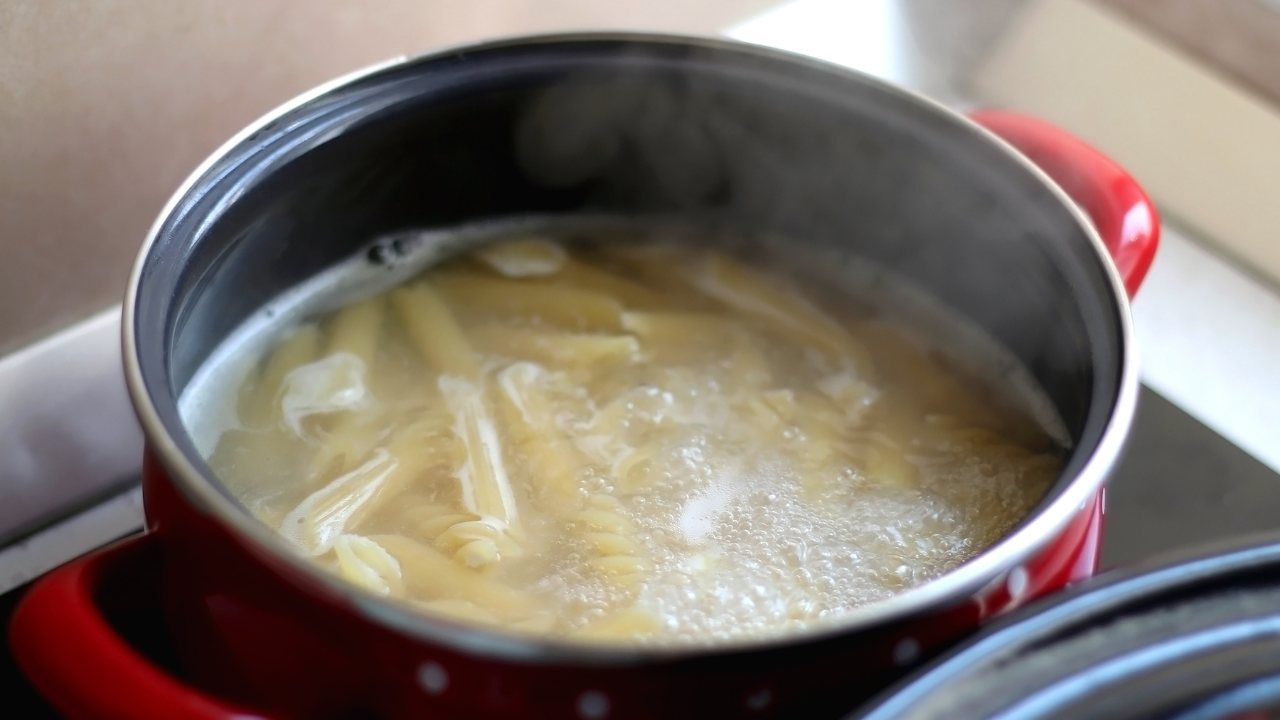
[
  {"x": 433, "y": 678},
  {"x": 905, "y": 651},
  {"x": 593, "y": 705},
  {"x": 1017, "y": 583}
]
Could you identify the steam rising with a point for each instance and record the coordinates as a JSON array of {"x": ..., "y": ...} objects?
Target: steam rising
[
  {"x": 848, "y": 173},
  {"x": 663, "y": 131}
]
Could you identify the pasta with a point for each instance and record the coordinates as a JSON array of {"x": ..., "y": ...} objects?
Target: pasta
[
  {"x": 435, "y": 332},
  {"x": 532, "y": 423},
  {"x": 677, "y": 335},
  {"x": 318, "y": 520},
  {"x": 789, "y": 313},
  {"x": 610, "y": 533},
  {"x": 532, "y": 257},
  {"x": 366, "y": 563},
  {"x": 630, "y": 443},
  {"x": 298, "y": 349},
  {"x": 356, "y": 329},
  {"x": 555, "y": 347},
  {"x": 579, "y": 274},
  {"x": 482, "y": 478},
  {"x": 563, "y": 305},
  {"x": 434, "y": 575},
  {"x": 629, "y": 623}
]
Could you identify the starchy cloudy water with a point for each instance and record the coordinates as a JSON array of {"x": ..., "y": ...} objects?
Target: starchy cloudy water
[{"x": 612, "y": 441}]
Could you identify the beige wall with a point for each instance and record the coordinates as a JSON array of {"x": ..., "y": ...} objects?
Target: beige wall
[{"x": 106, "y": 105}]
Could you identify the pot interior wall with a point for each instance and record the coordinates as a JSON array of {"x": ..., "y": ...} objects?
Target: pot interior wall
[{"x": 739, "y": 138}]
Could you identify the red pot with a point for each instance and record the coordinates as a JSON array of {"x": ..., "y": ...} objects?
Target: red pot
[{"x": 633, "y": 124}]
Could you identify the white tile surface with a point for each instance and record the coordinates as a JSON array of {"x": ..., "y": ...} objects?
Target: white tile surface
[
  {"x": 67, "y": 430},
  {"x": 1210, "y": 342},
  {"x": 24, "y": 561},
  {"x": 1204, "y": 147}
]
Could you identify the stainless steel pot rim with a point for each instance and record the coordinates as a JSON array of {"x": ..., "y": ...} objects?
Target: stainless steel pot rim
[{"x": 969, "y": 578}]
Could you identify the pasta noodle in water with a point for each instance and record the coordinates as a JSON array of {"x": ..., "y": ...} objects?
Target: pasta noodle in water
[{"x": 626, "y": 443}]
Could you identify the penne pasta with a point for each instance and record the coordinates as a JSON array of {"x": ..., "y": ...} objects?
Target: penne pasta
[
  {"x": 357, "y": 329},
  {"x": 434, "y": 331},
  {"x": 632, "y": 295},
  {"x": 561, "y": 305},
  {"x": 556, "y": 347},
  {"x": 658, "y": 267},
  {"x": 676, "y": 328}
]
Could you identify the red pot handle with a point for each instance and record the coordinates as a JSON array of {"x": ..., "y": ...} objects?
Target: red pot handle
[
  {"x": 77, "y": 660},
  {"x": 1125, "y": 217}
]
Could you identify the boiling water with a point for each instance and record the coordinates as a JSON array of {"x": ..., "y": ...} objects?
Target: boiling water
[{"x": 616, "y": 440}]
